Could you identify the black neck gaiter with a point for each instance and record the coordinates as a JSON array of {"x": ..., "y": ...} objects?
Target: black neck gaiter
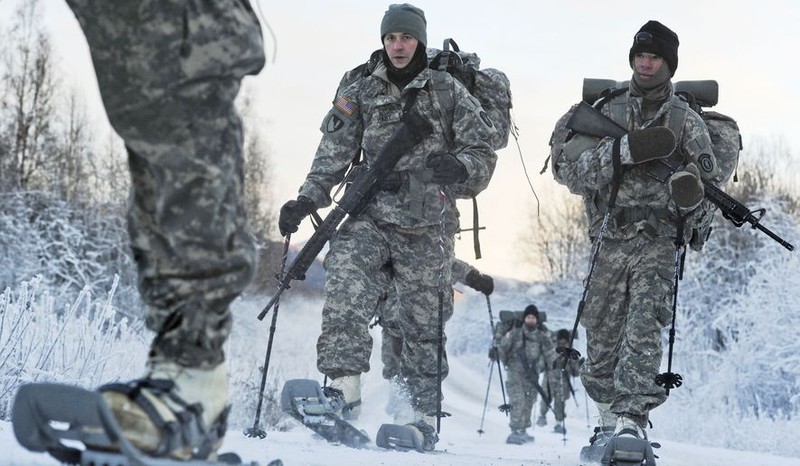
[
  {"x": 654, "y": 92},
  {"x": 401, "y": 77}
]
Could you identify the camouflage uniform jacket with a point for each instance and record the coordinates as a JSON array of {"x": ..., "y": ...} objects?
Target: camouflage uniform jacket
[
  {"x": 364, "y": 116},
  {"x": 643, "y": 203},
  {"x": 460, "y": 270},
  {"x": 527, "y": 351}
]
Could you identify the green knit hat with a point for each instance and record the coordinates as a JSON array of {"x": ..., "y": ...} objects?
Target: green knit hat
[{"x": 404, "y": 17}]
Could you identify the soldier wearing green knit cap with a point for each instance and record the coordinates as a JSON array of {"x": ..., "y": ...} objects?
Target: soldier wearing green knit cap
[{"x": 406, "y": 223}]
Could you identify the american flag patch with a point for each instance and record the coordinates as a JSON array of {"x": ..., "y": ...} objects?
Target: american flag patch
[{"x": 345, "y": 105}]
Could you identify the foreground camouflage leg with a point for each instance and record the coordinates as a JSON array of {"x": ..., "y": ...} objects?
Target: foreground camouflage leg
[{"x": 168, "y": 76}]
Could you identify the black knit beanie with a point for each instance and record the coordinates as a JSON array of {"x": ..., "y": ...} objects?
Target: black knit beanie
[
  {"x": 657, "y": 39},
  {"x": 404, "y": 17},
  {"x": 531, "y": 309}
]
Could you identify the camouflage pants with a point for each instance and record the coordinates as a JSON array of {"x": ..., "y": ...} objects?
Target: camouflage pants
[
  {"x": 521, "y": 396},
  {"x": 355, "y": 281},
  {"x": 628, "y": 303},
  {"x": 168, "y": 75},
  {"x": 557, "y": 387}
]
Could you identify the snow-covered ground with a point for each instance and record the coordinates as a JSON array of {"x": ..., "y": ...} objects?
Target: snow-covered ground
[{"x": 460, "y": 443}]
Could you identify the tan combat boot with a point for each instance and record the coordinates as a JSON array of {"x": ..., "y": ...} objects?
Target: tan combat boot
[{"x": 147, "y": 410}]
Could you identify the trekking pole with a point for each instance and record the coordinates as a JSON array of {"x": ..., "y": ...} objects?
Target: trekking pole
[
  {"x": 440, "y": 349},
  {"x": 568, "y": 352},
  {"x": 486, "y": 398},
  {"x": 586, "y": 402},
  {"x": 505, "y": 407},
  {"x": 256, "y": 431},
  {"x": 669, "y": 379},
  {"x": 564, "y": 407}
]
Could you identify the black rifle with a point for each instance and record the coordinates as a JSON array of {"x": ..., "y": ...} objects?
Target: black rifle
[
  {"x": 589, "y": 121},
  {"x": 412, "y": 130}
]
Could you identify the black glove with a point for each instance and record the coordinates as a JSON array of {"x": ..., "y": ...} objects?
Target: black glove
[
  {"x": 493, "y": 353},
  {"x": 293, "y": 212},
  {"x": 686, "y": 187},
  {"x": 447, "y": 169},
  {"x": 650, "y": 144},
  {"x": 479, "y": 282}
]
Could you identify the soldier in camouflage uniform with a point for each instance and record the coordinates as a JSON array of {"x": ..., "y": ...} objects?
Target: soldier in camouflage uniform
[
  {"x": 168, "y": 75},
  {"x": 527, "y": 351},
  {"x": 390, "y": 318},
  {"x": 406, "y": 223},
  {"x": 558, "y": 386},
  {"x": 629, "y": 299}
]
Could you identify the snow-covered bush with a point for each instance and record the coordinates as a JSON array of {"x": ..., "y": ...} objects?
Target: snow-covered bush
[
  {"x": 70, "y": 247},
  {"x": 44, "y": 338}
]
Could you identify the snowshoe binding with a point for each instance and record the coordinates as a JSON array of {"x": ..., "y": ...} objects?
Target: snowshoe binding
[
  {"x": 593, "y": 453},
  {"x": 305, "y": 401},
  {"x": 57, "y": 419},
  {"x": 628, "y": 451},
  {"x": 419, "y": 436}
]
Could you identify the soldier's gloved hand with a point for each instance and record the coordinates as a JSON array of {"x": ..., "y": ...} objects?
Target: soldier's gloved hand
[
  {"x": 686, "y": 187},
  {"x": 479, "y": 282},
  {"x": 644, "y": 145},
  {"x": 446, "y": 169},
  {"x": 293, "y": 212},
  {"x": 493, "y": 353}
]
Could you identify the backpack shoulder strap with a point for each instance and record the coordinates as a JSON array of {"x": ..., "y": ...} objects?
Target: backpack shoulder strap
[{"x": 677, "y": 116}]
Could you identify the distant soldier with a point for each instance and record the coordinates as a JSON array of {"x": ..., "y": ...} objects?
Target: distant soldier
[
  {"x": 527, "y": 351},
  {"x": 558, "y": 386}
]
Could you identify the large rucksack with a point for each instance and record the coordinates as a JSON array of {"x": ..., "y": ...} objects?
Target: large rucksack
[{"x": 490, "y": 86}]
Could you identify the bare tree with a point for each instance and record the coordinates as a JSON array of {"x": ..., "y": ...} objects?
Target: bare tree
[
  {"x": 259, "y": 198},
  {"x": 27, "y": 103},
  {"x": 258, "y": 172},
  {"x": 557, "y": 241},
  {"x": 72, "y": 173}
]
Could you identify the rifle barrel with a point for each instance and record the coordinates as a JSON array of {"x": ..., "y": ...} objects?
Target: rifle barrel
[{"x": 739, "y": 213}]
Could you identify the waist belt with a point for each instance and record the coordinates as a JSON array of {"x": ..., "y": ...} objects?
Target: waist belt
[{"x": 624, "y": 216}]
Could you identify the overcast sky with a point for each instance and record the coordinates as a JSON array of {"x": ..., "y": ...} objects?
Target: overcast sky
[{"x": 546, "y": 49}]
